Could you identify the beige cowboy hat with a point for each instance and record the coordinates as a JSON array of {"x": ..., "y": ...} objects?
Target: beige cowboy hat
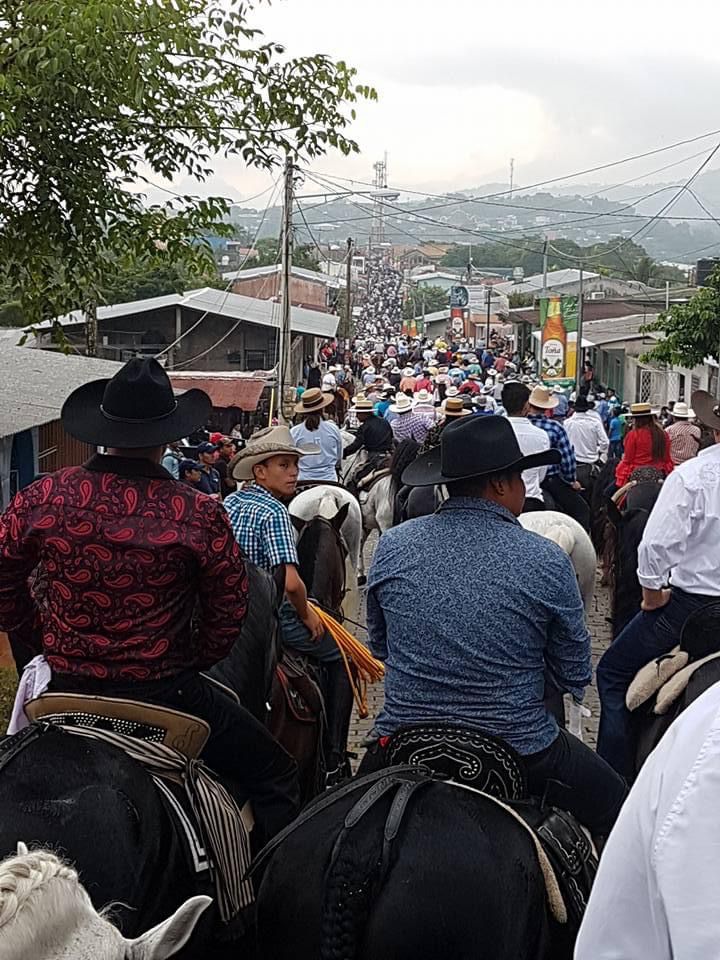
[
  {"x": 640, "y": 410},
  {"x": 543, "y": 399},
  {"x": 261, "y": 446},
  {"x": 433, "y": 371},
  {"x": 707, "y": 409},
  {"x": 454, "y": 407},
  {"x": 361, "y": 402},
  {"x": 681, "y": 411},
  {"x": 313, "y": 400},
  {"x": 403, "y": 404}
]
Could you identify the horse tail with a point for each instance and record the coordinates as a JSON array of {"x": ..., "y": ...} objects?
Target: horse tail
[
  {"x": 406, "y": 452},
  {"x": 349, "y": 887}
]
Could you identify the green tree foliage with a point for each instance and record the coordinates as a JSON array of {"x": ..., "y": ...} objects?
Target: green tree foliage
[
  {"x": 96, "y": 95},
  {"x": 630, "y": 261},
  {"x": 269, "y": 253},
  {"x": 692, "y": 329},
  {"x": 430, "y": 297}
]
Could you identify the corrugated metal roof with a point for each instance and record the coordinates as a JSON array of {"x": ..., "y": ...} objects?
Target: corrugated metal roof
[
  {"x": 534, "y": 284},
  {"x": 224, "y": 389},
  {"x": 219, "y": 302},
  {"x": 253, "y": 272},
  {"x": 34, "y": 385}
]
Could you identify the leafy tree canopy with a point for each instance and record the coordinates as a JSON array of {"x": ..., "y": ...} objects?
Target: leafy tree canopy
[
  {"x": 269, "y": 253},
  {"x": 430, "y": 298},
  {"x": 98, "y": 95},
  {"x": 692, "y": 329}
]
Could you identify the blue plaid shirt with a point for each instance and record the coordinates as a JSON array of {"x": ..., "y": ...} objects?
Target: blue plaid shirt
[
  {"x": 262, "y": 527},
  {"x": 559, "y": 440}
]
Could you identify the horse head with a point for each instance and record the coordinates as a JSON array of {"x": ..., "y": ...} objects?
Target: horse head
[
  {"x": 46, "y": 913},
  {"x": 321, "y": 557}
]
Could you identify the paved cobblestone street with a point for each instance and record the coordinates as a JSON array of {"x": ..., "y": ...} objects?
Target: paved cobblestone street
[{"x": 599, "y": 630}]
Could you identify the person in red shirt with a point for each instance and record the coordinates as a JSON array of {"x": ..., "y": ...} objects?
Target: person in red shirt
[
  {"x": 140, "y": 584},
  {"x": 423, "y": 383},
  {"x": 646, "y": 445},
  {"x": 471, "y": 385}
]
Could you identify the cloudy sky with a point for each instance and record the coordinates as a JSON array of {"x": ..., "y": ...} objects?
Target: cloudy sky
[{"x": 466, "y": 84}]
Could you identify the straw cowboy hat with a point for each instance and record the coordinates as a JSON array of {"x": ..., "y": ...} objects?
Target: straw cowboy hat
[
  {"x": 361, "y": 402},
  {"x": 707, "y": 409},
  {"x": 136, "y": 408},
  {"x": 640, "y": 410},
  {"x": 473, "y": 447},
  {"x": 542, "y": 398},
  {"x": 455, "y": 407},
  {"x": 267, "y": 443},
  {"x": 403, "y": 404},
  {"x": 313, "y": 400},
  {"x": 681, "y": 411}
]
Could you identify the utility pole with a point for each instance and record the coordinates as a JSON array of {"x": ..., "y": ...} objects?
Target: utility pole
[
  {"x": 347, "y": 328},
  {"x": 91, "y": 328},
  {"x": 579, "y": 357},
  {"x": 284, "y": 366},
  {"x": 512, "y": 176},
  {"x": 545, "y": 267},
  {"x": 488, "y": 290}
]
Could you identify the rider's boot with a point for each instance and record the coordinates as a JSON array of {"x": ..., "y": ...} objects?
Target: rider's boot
[{"x": 338, "y": 708}]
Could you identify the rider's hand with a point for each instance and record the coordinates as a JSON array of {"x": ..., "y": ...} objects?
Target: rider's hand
[
  {"x": 576, "y": 485},
  {"x": 654, "y": 599},
  {"x": 314, "y": 624}
]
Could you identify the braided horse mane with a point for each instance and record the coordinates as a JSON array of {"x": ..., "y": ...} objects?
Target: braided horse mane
[{"x": 40, "y": 898}]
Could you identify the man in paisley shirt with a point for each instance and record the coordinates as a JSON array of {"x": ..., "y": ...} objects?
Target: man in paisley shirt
[{"x": 142, "y": 582}]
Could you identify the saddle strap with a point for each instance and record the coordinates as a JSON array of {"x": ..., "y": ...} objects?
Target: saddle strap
[{"x": 329, "y": 798}]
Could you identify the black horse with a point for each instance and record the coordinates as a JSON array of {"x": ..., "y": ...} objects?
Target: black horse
[
  {"x": 100, "y": 809},
  {"x": 455, "y": 876},
  {"x": 628, "y": 526}
]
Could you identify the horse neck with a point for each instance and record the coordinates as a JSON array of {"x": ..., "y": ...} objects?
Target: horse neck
[{"x": 322, "y": 563}]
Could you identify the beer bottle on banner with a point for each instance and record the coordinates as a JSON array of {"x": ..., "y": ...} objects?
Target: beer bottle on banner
[{"x": 554, "y": 341}]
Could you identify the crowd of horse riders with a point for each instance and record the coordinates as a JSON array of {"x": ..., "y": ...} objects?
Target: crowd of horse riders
[{"x": 124, "y": 582}]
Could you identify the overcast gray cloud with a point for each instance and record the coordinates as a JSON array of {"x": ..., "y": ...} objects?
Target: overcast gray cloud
[{"x": 466, "y": 84}]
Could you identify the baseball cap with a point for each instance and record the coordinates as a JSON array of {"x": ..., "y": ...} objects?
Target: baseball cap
[
  {"x": 206, "y": 448},
  {"x": 185, "y": 466}
]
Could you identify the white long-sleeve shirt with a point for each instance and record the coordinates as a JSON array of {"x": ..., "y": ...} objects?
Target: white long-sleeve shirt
[
  {"x": 588, "y": 436},
  {"x": 656, "y": 893},
  {"x": 531, "y": 439},
  {"x": 681, "y": 541}
]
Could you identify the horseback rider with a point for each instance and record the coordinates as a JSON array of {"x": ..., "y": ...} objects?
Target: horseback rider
[
  {"x": 590, "y": 441},
  {"x": 561, "y": 480},
  {"x": 486, "y": 669},
  {"x": 140, "y": 585},
  {"x": 373, "y": 442},
  {"x": 678, "y": 573},
  {"x": 263, "y": 529}
]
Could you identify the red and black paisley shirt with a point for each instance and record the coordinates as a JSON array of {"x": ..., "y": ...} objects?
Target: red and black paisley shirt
[{"x": 137, "y": 576}]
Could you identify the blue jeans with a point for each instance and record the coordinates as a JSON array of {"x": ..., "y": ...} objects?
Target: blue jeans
[
  {"x": 296, "y": 636},
  {"x": 647, "y": 636}
]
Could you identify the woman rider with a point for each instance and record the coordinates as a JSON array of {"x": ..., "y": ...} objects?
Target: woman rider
[
  {"x": 646, "y": 445},
  {"x": 315, "y": 430}
]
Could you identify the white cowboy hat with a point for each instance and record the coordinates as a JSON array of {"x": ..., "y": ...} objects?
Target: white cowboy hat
[
  {"x": 403, "y": 404},
  {"x": 408, "y": 372},
  {"x": 361, "y": 402},
  {"x": 452, "y": 392},
  {"x": 542, "y": 398},
  {"x": 422, "y": 396},
  {"x": 261, "y": 446},
  {"x": 682, "y": 411},
  {"x": 558, "y": 389}
]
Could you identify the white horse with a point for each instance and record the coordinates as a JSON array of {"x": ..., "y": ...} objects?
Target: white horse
[
  {"x": 46, "y": 914},
  {"x": 325, "y": 501},
  {"x": 377, "y": 513},
  {"x": 573, "y": 539}
]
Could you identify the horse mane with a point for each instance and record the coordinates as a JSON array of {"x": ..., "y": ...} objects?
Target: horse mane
[{"x": 40, "y": 896}]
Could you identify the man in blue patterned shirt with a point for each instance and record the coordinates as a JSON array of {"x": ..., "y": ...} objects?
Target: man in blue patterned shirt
[
  {"x": 482, "y": 663},
  {"x": 263, "y": 529},
  {"x": 561, "y": 480}
]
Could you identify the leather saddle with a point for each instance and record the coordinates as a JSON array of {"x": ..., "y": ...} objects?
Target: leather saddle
[
  {"x": 131, "y": 718},
  {"x": 486, "y": 764},
  {"x": 466, "y": 756}
]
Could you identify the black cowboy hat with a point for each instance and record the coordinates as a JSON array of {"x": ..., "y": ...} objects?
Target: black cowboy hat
[
  {"x": 707, "y": 409},
  {"x": 136, "y": 408},
  {"x": 473, "y": 447}
]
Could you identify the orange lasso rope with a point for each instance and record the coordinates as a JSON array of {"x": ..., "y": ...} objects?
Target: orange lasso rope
[{"x": 361, "y": 666}]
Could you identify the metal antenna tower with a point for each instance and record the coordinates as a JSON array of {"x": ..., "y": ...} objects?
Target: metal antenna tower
[
  {"x": 512, "y": 176},
  {"x": 377, "y": 229}
]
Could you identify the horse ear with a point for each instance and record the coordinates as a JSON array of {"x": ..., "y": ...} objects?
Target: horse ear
[
  {"x": 297, "y": 522},
  {"x": 340, "y": 517},
  {"x": 614, "y": 515},
  {"x": 170, "y": 936}
]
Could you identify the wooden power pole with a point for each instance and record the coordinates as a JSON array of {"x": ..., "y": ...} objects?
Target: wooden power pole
[
  {"x": 284, "y": 367},
  {"x": 347, "y": 325}
]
